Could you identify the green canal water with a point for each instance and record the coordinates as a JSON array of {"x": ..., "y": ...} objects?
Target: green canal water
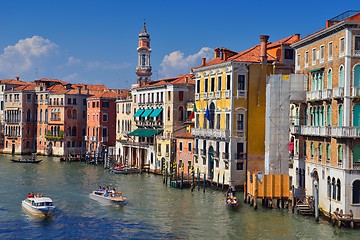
[{"x": 153, "y": 210}]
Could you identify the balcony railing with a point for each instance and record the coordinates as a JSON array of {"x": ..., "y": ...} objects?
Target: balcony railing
[
  {"x": 197, "y": 97},
  {"x": 241, "y": 93},
  {"x": 315, "y": 130},
  {"x": 218, "y": 94},
  {"x": 338, "y": 92},
  {"x": 227, "y": 93},
  {"x": 326, "y": 93},
  {"x": 294, "y": 129},
  {"x": 349, "y": 132},
  {"x": 225, "y": 155},
  {"x": 240, "y": 156},
  {"x": 211, "y": 133},
  {"x": 314, "y": 95},
  {"x": 204, "y": 95},
  {"x": 211, "y": 95},
  {"x": 196, "y": 151},
  {"x": 104, "y": 139},
  {"x": 355, "y": 91}
]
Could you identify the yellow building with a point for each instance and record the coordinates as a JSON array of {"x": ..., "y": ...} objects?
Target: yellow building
[{"x": 230, "y": 100}]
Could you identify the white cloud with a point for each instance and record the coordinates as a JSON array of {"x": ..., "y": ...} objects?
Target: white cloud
[
  {"x": 176, "y": 63},
  {"x": 25, "y": 54}
]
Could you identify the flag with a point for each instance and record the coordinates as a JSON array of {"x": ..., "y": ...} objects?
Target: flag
[
  {"x": 207, "y": 114},
  {"x": 192, "y": 115}
]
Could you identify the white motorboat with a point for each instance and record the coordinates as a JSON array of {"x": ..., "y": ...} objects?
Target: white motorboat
[
  {"x": 112, "y": 198},
  {"x": 38, "y": 206}
]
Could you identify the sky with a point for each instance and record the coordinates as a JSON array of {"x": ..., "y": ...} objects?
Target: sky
[{"x": 95, "y": 41}]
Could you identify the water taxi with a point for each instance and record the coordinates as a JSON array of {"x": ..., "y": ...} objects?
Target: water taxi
[
  {"x": 108, "y": 198},
  {"x": 38, "y": 206}
]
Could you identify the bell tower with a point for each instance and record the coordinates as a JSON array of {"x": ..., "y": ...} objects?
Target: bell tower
[{"x": 143, "y": 70}]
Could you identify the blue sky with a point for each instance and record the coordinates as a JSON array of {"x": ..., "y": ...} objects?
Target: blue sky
[{"x": 95, "y": 41}]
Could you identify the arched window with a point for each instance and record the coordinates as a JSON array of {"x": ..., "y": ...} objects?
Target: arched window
[
  {"x": 341, "y": 76},
  {"x": 328, "y": 152},
  {"x": 334, "y": 189},
  {"x": 329, "y": 187},
  {"x": 329, "y": 82},
  {"x": 181, "y": 113},
  {"x": 340, "y": 115},
  {"x": 357, "y": 76},
  {"x": 338, "y": 188},
  {"x": 46, "y": 116},
  {"x": 118, "y": 125},
  {"x": 356, "y": 192},
  {"x": 68, "y": 113},
  {"x": 312, "y": 148},
  {"x": 28, "y": 115},
  {"x": 41, "y": 115},
  {"x": 74, "y": 114},
  {"x": 356, "y": 115},
  {"x": 340, "y": 154},
  {"x": 328, "y": 117},
  {"x": 320, "y": 152},
  {"x": 73, "y": 132}
]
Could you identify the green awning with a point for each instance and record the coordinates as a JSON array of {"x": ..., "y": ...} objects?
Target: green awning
[
  {"x": 146, "y": 113},
  {"x": 317, "y": 69},
  {"x": 144, "y": 132},
  {"x": 156, "y": 112},
  {"x": 139, "y": 112}
]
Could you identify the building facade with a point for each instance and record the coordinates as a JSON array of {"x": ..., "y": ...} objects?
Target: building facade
[{"x": 326, "y": 129}]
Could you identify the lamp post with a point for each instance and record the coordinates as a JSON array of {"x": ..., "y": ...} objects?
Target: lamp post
[{"x": 316, "y": 185}]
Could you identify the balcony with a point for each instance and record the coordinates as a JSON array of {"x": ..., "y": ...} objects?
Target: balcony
[
  {"x": 240, "y": 156},
  {"x": 203, "y": 152},
  {"x": 315, "y": 131},
  {"x": 314, "y": 95},
  {"x": 227, "y": 93},
  {"x": 196, "y": 151},
  {"x": 338, "y": 92},
  {"x": 204, "y": 95},
  {"x": 225, "y": 156},
  {"x": 295, "y": 129},
  {"x": 345, "y": 132},
  {"x": 210, "y": 133},
  {"x": 197, "y": 96},
  {"x": 218, "y": 94},
  {"x": 326, "y": 93},
  {"x": 356, "y": 52},
  {"x": 240, "y": 134},
  {"x": 86, "y": 138},
  {"x": 104, "y": 139},
  {"x": 211, "y": 95},
  {"x": 241, "y": 94},
  {"x": 355, "y": 91}
]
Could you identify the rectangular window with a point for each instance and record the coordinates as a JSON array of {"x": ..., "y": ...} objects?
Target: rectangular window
[
  {"x": 212, "y": 84},
  {"x": 330, "y": 51},
  {"x": 169, "y": 96},
  {"x": 342, "y": 46},
  {"x": 241, "y": 82},
  {"x": 105, "y": 117},
  {"x": 322, "y": 53},
  {"x": 206, "y": 85},
  {"x": 189, "y": 147},
  {"x": 219, "y": 83},
  {"x": 228, "y": 82},
  {"x": 240, "y": 122},
  {"x": 227, "y": 122},
  {"x": 289, "y": 54},
  {"x": 298, "y": 60},
  {"x": 167, "y": 149},
  {"x": 105, "y": 104},
  {"x": 181, "y": 96},
  {"x": 198, "y": 86},
  {"x": 240, "y": 166},
  {"x": 159, "y": 149},
  {"x": 357, "y": 45},
  {"x": 180, "y": 146},
  {"x": 28, "y": 97},
  {"x": 313, "y": 56},
  {"x": 69, "y": 101},
  {"x": 93, "y": 104}
]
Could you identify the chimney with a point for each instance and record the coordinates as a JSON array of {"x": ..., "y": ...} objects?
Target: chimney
[
  {"x": 263, "y": 48},
  {"x": 17, "y": 78},
  {"x": 186, "y": 80},
  {"x": 217, "y": 52},
  {"x": 79, "y": 90},
  {"x": 297, "y": 36},
  {"x": 203, "y": 61}
]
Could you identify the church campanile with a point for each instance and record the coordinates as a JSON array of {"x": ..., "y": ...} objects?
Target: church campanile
[{"x": 143, "y": 70}]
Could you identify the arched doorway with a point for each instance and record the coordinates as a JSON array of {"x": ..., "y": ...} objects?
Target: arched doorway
[
  {"x": 315, "y": 181},
  {"x": 211, "y": 162}
]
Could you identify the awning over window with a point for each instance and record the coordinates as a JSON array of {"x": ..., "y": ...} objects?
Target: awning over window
[
  {"x": 146, "y": 113},
  {"x": 144, "y": 132},
  {"x": 156, "y": 112},
  {"x": 316, "y": 70},
  {"x": 139, "y": 112}
]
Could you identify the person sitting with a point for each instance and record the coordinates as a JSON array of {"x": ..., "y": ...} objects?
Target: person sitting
[
  {"x": 100, "y": 189},
  {"x": 29, "y": 195},
  {"x": 106, "y": 194}
]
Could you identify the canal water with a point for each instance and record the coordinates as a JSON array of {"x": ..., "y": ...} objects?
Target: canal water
[{"x": 153, "y": 210}]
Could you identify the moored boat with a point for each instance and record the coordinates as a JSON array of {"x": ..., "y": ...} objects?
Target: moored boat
[
  {"x": 108, "y": 198},
  {"x": 125, "y": 170},
  {"x": 38, "y": 206},
  {"x": 26, "y": 160}
]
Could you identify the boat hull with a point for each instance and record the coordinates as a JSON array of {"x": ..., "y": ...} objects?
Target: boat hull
[
  {"x": 37, "y": 211},
  {"x": 25, "y": 161},
  {"x": 118, "y": 200}
]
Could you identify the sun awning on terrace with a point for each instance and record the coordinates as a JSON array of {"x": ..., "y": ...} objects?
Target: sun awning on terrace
[
  {"x": 146, "y": 113},
  {"x": 144, "y": 132},
  {"x": 139, "y": 112},
  {"x": 156, "y": 112}
]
